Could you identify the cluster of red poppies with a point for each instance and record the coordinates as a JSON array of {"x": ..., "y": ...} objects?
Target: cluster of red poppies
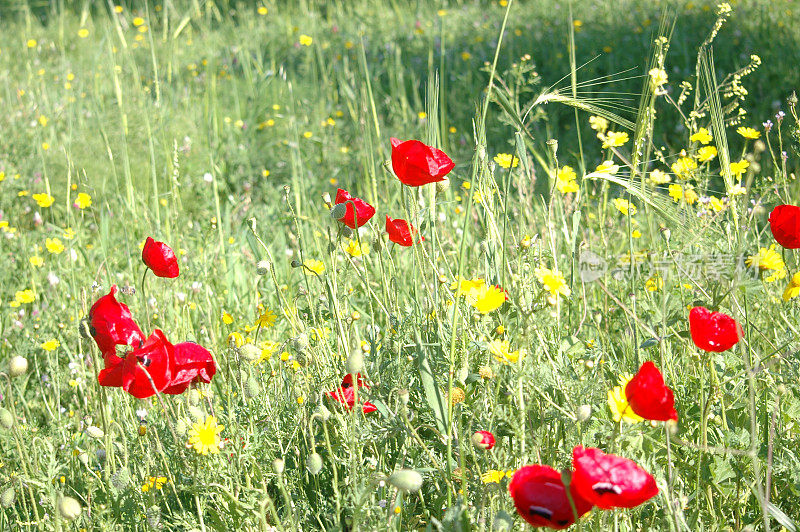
[
  {"x": 415, "y": 164},
  {"x": 597, "y": 479},
  {"x": 154, "y": 365}
]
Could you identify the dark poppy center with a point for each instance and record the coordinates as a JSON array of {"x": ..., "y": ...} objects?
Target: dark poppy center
[
  {"x": 145, "y": 361},
  {"x": 540, "y": 512},
  {"x": 601, "y": 488}
]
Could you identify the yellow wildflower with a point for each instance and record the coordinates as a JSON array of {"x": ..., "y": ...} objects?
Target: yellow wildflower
[
  {"x": 566, "y": 180},
  {"x": 306, "y": 40},
  {"x": 506, "y": 160},
  {"x": 748, "y": 132},
  {"x": 684, "y": 167},
  {"x": 598, "y": 123},
  {"x": 618, "y": 403},
  {"x": 352, "y": 248},
  {"x": 54, "y": 245},
  {"x": 793, "y": 290},
  {"x": 43, "y": 200},
  {"x": 501, "y": 349},
  {"x": 315, "y": 266},
  {"x": 553, "y": 282},
  {"x": 738, "y": 168},
  {"x": 624, "y": 206},
  {"x": 706, "y": 153},
  {"x": 83, "y": 200},
  {"x": 613, "y": 139},
  {"x": 50, "y": 345},
  {"x": 486, "y": 298},
  {"x": 767, "y": 259},
  {"x": 204, "y": 437},
  {"x": 703, "y": 136}
]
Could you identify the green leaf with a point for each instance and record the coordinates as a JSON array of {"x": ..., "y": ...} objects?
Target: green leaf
[{"x": 433, "y": 395}]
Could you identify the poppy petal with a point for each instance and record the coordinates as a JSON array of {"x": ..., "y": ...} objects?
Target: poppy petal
[
  {"x": 541, "y": 499},
  {"x": 713, "y": 331},
  {"x": 649, "y": 397},
  {"x": 111, "y": 324},
  {"x": 160, "y": 258},
  {"x": 609, "y": 481}
]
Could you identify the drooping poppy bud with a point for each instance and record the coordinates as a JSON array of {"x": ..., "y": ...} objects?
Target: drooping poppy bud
[
  {"x": 346, "y": 393},
  {"x": 417, "y": 164},
  {"x": 111, "y": 324},
  {"x": 401, "y": 232},
  {"x": 353, "y": 219},
  {"x": 144, "y": 371},
  {"x": 541, "y": 498},
  {"x": 713, "y": 331},
  {"x": 649, "y": 397},
  {"x": 483, "y": 439},
  {"x": 160, "y": 258},
  {"x": 609, "y": 481},
  {"x": 784, "y": 221},
  {"x": 190, "y": 363}
]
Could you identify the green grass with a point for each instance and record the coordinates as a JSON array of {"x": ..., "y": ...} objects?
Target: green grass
[{"x": 217, "y": 132}]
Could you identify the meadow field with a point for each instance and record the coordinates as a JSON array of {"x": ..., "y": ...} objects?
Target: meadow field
[{"x": 399, "y": 265}]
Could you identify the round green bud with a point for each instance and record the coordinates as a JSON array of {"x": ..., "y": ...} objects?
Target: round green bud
[
  {"x": 314, "y": 463},
  {"x": 406, "y": 480},
  {"x": 69, "y": 508}
]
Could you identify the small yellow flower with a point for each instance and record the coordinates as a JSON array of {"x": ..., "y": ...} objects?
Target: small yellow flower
[
  {"x": 486, "y": 298},
  {"x": 54, "y": 245},
  {"x": 703, "y": 136},
  {"x": 506, "y": 160},
  {"x": 83, "y": 33},
  {"x": 738, "y": 168},
  {"x": 486, "y": 372},
  {"x": 636, "y": 234},
  {"x": 50, "y": 345},
  {"x": 614, "y": 139},
  {"x": 624, "y": 206},
  {"x": 268, "y": 349},
  {"x": 24, "y": 296},
  {"x": 138, "y": 21},
  {"x": 83, "y": 200},
  {"x": 465, "y": 287},
  {"x": 553, "y": 282},
  {"x": 767, "y": 259},
  {"x": 352, "y": 248},
  {"x": 654, "y": 284},
  {"x": 493, "y": 476},
  {"x": 315, "y": 266},
  {"x": 306, "y": 40},
  {"x": 262, "y": 10},
  {"x": 618, "y": 403},
  {"x": 684, "y": 167},
  {"x": 607, "y": 167},
  {"x": 31, "y": 43},
  {"x": 43, "y": 200},
  {"x": 227, "y": 319},
  {"x": 501, "y": 349},
  {"x": 690, "y": 196},
  {"x": 716, "y": 204},
  {"x": 748, "y": 132},
  {"x": 457, "y": 395},
  {"x": 706, "y": 153},
  {"x": 793, "y": 290},
  {"x": 566, "y": 180},
  {"x": 659, "y": 177},
  {"x": 266, "y": 319},
  {"x": 36, "y": 261},
  {"x": 204, "y": 437},
  {"x": 598, "y": 123},
  {"x": 422, "y": 115}
]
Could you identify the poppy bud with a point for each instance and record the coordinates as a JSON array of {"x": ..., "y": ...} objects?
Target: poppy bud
[
  {"x": 120, "y": 479},
  {"x": 314, "y": 463},
  {"x": 95, "y": 432},
  {"x": 403, "y": 395},
  {"x": 406, "y": 480},
  {"x": 278, "y": 466},
  {"x": 355, "y": 363},
  {"x": 6, "y": 419},
  {"x": 442, "y": 186},
  {"x": 17, "y": 366},
  {"x": 323, "y": 413},
  {"x": 584, "y": 413},
  {"x": 69, "y": 508},
  {"x": 181, "y": 427},
  {"x": 263, "y": 267},
  {"x": 252, "y": 388},
  {"x": 300, "y": 343},
  {"x": 250, "y": 352},
  {"x": 196, "y": 413},
  {"x": 502, "y": 522},
  {"x": 347, "y": 232},
  {"x": 483, "y": 439},
  {"x": 8, "y": 497},
  {"x": 338, "y": 211},
  {"x": 160, "y": 258}
]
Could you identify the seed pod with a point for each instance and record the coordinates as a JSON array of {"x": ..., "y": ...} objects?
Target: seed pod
[
  {"x": 6, "y": 419},
  {"x": 406, "y": 480},
  {"x": 8, "y": 497},
  {"x": 17, "y": 366},
  {"x": 314, "y": 463},
  {"x": 278, "y": 466},
  {"x": 69, "y": 508},
  {"x": 95, "y": 432}
]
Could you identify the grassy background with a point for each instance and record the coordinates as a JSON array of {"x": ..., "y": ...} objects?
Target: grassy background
[{"x": 137, "y": 119}]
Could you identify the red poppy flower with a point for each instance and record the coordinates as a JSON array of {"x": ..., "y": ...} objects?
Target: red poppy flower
[
  {"x": 401, "y": 232},
  {"x": 346, "y": 393},
  {"x": 111, "y": 324},
  {"x": 144, "y": 371},
  {"x": 483, "y": 439},
  {"x": 784, "y": 221},
  {"x": 160, "y": 258},
  {"x": 648, "y": 396},
  {"x": 190, "y": 363},
  {"x": 541, "y": 499},
  {"x": 713, "y": 331},
  {"x": 364, "y": 211},
  {"x": 609, "y": 481},
  {"x": 417, "y": 164}
]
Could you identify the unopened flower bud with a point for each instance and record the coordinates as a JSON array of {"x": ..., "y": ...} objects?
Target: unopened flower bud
[
  {"x": 322, "y": 413},
  {"x": 338, "y": 211},
  {"x": 8, "y": 497},
  {"x": 584, "y": 413},
  {"x": 278, "y": 466},
  {"x": 296, "y": 263},
  {"x": 17, "y": 366},
  {"x": 483, "y": 439},
  {"x": 196, "y": 413},
  {"x": 403, "y": 395},
  {"x": 327, "y": 199},
  {"x": 502, "y": 522},
  {"x": 355, "y": 363},
  {"x": 69, "y": 508},
  {"x": 251, "y": 387},
  {"x": 346, "y": 232},
  {"x": 250, "y": 352},
  {"x": 6, "y": 419},
  {"x": 314, "y": 463},
  {"x": 300, "y": 343},
  {"x": 406, "y": 480},
  {"x": 263, "y": 267},
  {"x": 181, "y": 427},
  {"x": 442, "y": 186},
  {"x": 95, "y": 432}
]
